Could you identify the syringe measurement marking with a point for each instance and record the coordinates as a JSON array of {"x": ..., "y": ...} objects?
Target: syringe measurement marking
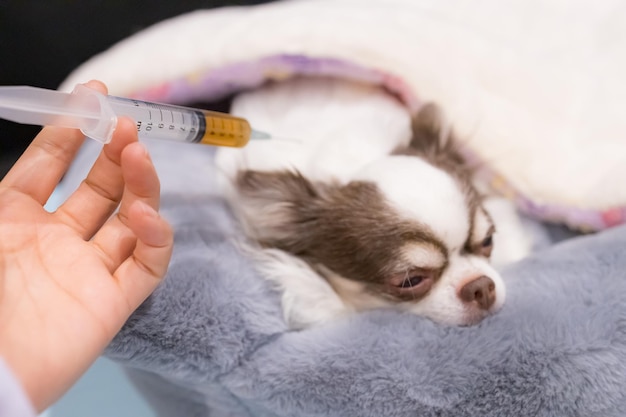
[
  {"x": 149, "y": 125},
  {"x": 171, "y": 126}
]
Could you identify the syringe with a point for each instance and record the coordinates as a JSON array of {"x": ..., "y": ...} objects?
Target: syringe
[{"x": 96, "y": 114}]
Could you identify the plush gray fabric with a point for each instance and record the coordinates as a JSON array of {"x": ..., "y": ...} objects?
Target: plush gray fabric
[{"x": 210, "y": 341}]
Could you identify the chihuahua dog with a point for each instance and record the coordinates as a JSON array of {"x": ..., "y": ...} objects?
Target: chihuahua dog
[{"x": 385, "y": 215}]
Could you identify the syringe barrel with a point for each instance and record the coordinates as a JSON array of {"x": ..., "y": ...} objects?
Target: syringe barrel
[
  {"x": 160, "y": 121},
  {"x": 182, "y": 124}
]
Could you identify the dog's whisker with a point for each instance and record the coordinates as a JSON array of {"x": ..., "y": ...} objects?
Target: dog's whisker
[{"x": 409, "y": 278}]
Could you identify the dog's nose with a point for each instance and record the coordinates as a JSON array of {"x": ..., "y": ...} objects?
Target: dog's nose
[{"x": 482, "y": 290}]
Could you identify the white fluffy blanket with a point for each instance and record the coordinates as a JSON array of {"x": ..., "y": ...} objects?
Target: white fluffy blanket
[{"x": 536, "y": 87}]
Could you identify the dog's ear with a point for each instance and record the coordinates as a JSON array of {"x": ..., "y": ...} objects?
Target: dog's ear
[
  {"x": 274, "y": 203},
  {"x": 432, "y": 137},
  {"x": 429, "y": 129}
]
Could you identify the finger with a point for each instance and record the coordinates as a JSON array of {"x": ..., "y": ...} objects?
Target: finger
[
  {"x": 140, "y": 178},
  {"x": 140, "y": 273},
  {"x": 115, "y": 239},
  {"x": 41, "y": 167},
  {"x": 99, "y": 194}
]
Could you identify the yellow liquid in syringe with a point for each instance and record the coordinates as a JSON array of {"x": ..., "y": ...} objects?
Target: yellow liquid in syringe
[{"x": 225, "y": 130}]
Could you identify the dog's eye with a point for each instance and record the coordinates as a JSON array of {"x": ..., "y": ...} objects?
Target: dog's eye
[
  {"x": 412, "y": 281},
  {"x": 486, "y": 246},
  {"x": 412, "y": 284}
]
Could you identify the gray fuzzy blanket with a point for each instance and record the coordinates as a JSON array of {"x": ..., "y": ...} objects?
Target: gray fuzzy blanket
[{"x": 211, "y": 342}]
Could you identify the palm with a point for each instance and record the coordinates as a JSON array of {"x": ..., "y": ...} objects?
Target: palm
[{"x": 47, "y": 262}]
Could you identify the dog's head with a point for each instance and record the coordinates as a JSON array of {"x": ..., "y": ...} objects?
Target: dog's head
[{"x": 409, "y": 229}]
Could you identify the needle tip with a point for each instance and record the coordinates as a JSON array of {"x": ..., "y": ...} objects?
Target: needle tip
[{"x": 257, "y": 134}]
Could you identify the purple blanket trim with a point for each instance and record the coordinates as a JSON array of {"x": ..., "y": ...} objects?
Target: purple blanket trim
[{"x": 216, "y": 83}]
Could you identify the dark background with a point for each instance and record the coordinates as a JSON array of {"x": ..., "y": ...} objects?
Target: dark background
[{"x": 41, "y": 42}]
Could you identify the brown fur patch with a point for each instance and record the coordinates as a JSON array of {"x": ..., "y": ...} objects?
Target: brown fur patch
[{"x": 349, "y": 229}]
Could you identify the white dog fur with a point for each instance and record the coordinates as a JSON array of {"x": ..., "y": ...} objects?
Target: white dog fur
[{"x": 338, "y": 132}]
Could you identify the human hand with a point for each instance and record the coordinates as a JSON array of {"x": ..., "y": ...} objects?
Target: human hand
[{"x": 70, "y": 279}]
